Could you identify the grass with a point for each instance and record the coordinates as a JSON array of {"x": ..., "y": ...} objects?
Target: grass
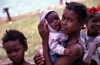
[{"x": 28, "y": 25}]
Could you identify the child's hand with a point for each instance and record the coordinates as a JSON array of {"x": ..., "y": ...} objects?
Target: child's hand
[
  {"x": 86, "y": 61},
  {"x": 39, "y": 59},
  {"x": 67, "y": 52},
  {"x": 44, "y": 32}
]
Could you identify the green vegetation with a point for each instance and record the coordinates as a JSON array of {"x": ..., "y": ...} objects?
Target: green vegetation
[{"x": 28, "y": 25}]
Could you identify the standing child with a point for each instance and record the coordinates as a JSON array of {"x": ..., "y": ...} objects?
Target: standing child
[
  {"x": 14, "y": 43},
  {"x": 73, "y": 18},
  {"x": 56, "y": 38},
  {"x": 92, "y": 35}
]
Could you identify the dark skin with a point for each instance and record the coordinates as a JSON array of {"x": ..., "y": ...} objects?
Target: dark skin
[
  {"x": 71, "y": 26},
  {"x": 93, "y": 30},
  {"x": 54, "y": 21},
  {"x": 94, "y": 25},
  {"x": 15, "y": 52}
]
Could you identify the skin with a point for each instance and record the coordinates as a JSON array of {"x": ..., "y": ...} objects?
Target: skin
[
  {"x": 94, "y": 25},
  {"x": 54, "y": 21},
  {"x": 93, "y": 30},
  {"x": 15, "y": 52},
  {"x": 71, "y": 26}
]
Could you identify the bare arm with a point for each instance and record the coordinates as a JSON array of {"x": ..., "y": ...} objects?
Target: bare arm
[
  {"x": 76, "y": 51},
  {"x": 90, "y": 52},
  {"x": 44, "y": 33}
]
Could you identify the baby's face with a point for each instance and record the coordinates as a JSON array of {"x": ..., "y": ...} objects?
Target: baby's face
[
  {"x": 15, "y": 51},
  {"x": 54, "y": 21}
]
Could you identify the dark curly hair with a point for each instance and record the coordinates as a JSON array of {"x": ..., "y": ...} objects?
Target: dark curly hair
[
  {"x": 13, "y": 35},
  {"x": 80, "y": 9}
]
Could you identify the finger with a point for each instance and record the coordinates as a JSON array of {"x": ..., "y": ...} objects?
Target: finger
[
  {"x": 41, "y": 60},
  {"x": 41, "y": 63},
  {"x": 47, "y": 27},
  {"x": 36, "y": 57},
  {"x": 39, "y": 25}
]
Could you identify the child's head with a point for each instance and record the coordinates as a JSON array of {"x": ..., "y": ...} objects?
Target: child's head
[
  {"x": 14, "y": 43},
  {"x": 52, "y": 19},
  {"x": 93, "y": 22},
  {"x": 74, "y": 17}
]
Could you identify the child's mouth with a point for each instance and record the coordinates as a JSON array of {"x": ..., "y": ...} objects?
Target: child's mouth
[{"x": 15, "y": 59}]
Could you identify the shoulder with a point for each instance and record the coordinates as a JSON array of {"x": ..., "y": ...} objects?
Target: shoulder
[
  {"x": 76, "y": 53},
  {"x": 76, "y": 49}
]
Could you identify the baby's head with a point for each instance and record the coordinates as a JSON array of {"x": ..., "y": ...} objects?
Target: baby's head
[
  {"x": 93, "y": 22},
  {"x": 14, "y": 43},
  {"x": 52, "y": 19}
]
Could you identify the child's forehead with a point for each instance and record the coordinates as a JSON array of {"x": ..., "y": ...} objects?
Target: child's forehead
[
  {"x": 12, "y": 43},
  {"x": 96, "y": 16},
  {"x": 51, "y": 13}
]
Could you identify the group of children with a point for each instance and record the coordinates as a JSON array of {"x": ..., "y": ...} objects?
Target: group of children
[{"x": 63, "y": 44}]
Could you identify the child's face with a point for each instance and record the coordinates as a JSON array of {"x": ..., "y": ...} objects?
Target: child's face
[
  {"x": 69, "y": 22},
  {"x": 15, "y": 51},
  {"x": 54, "y": 21},
  {"x": 94, "y": 23}
]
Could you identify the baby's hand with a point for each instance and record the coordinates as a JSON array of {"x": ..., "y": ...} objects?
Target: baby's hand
[{"x": 67, "y": 52}]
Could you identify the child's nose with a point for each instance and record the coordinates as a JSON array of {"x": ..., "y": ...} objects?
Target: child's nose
[
  {"x": 14, "y": 54},
  {"x": 64, "y": 22},
  {"x": 98, "y": 23},
  {"x": 56, "y": 21}
]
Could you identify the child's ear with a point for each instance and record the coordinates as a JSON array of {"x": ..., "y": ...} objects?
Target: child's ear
[
  {"x": 25, "y": 47},
  {"x": 81, "y": 25}
]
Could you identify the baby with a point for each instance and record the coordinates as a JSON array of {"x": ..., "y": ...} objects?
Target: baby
[{"x": 56, "y": 37}]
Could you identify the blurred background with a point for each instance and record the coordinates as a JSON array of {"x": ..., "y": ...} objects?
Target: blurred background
[{"x": 23, "y": 15}]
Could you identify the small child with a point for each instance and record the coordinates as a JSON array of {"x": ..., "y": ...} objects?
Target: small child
[
  {"x": 14, "y": 43},
  {"x": 91, "y": 35},
  {"x": 56, "y": 37}
]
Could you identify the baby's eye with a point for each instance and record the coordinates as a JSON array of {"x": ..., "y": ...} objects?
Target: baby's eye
[
  {"x": 70, "y": 20},
  {"x": 57, "y": 19},
  {"x": 51, "y": 21}
]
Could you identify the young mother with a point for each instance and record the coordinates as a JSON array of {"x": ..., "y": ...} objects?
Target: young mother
[{"x": 73, "y": 19}]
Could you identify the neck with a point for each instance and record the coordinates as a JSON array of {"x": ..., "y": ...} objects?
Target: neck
[
  {"x": 74, "y": 36},
  {"x": 89, "y": 33},
  {"x": 21, "y": 63}
]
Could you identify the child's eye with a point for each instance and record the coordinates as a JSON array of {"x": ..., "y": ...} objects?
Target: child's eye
[
  {"x": 8, "y": 52},
  {"x": 94, "y": 21},
  {"x": 16, "y": 50},
  {"x": 63, "y": 17}
]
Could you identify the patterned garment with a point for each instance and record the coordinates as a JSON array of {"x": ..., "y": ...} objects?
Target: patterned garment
[{"x": 87, "y": 42}]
